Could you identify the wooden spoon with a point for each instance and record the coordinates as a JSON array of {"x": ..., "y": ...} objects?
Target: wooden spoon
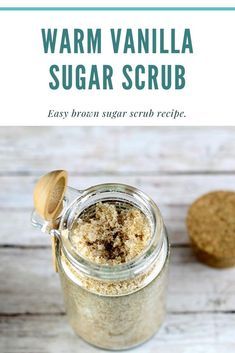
[
  {"x": 48, "y": 201},
  {"x": 49, "y": 193}
]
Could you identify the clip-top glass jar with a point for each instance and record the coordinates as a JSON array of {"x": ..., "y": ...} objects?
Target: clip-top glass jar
[{"x": 111, "y": 306}]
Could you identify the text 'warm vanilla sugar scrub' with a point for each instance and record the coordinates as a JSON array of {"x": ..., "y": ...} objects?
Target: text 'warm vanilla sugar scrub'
[{"x": 111, "y": 251}]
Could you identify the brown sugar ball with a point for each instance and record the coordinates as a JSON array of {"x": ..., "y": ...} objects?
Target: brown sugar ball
[{"x": 211, "y": 228}]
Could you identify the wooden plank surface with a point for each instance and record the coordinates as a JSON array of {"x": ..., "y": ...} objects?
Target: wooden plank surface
[
  {"x": 174, "y": 166},
  {"x": 116, "y": 149},
  {"x": 193, "y": 333},
  {"x": 204, "y": 290},
  {"x": 173, "y": 194},
  {"x": 180, "y": 190}
]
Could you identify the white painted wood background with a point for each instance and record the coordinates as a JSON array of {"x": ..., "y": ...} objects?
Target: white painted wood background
[{"x": 174, "y": 166}]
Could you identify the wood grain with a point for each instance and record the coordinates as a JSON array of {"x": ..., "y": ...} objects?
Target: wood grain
[
  {"x": 133, "y": 150},
  {"x": 192, "y": 333},
  {"x": 174, "y": 166},
  {"x": 173, "y": 194},
  {"x": 204, "y": 289},
  {"x": 177, "y": 190}
]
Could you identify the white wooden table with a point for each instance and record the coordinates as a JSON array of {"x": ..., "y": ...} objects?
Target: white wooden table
[{"x": 174, "y": 166}]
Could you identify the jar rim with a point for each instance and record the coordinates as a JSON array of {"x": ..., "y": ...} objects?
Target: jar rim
[{"x": 122, "y": 192}]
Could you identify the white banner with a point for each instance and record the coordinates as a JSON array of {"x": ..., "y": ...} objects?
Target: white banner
[{"x": 139, "y": 92}]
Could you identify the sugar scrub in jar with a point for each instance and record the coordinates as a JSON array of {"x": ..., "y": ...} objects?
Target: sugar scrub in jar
[{"x": 112, "y": 255}]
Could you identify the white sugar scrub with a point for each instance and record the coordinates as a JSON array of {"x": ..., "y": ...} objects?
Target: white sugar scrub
[{"x": 112, "y": 255}]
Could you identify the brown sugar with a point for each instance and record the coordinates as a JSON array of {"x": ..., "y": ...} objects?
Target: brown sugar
[
  {"x": 113, "y": 235},
  {"x": 211, "y": 227}
]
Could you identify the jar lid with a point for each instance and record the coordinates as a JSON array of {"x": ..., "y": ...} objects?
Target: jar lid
[{"x": 211, "y": 228}]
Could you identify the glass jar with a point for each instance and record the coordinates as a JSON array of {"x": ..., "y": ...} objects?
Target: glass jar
[{"x": 111, "y": 306}]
